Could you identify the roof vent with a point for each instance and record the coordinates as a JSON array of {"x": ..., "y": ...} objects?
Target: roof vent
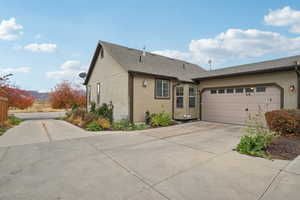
[{"x": 144, "y": 51}]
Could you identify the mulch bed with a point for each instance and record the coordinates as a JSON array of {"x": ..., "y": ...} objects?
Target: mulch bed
[{"x": 285, "y": 147}]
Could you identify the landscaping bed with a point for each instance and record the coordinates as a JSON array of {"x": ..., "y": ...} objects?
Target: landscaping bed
[
  {"x": 101, "y": 119},
  {"x": 284, "y": 147},
  {"x": 281, "y": 140},
  {"x": 11, "y": 122}
]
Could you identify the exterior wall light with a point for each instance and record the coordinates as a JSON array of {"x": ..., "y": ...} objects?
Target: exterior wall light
[
  {"x": 145, "y": 83},
  {"x": 292, "y": 88}
]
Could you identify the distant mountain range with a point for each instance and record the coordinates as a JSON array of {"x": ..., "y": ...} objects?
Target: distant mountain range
[{"x": 40, "y": 96}]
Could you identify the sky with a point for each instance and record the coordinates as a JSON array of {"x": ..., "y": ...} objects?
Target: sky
[{"x": 45, "y": 42}]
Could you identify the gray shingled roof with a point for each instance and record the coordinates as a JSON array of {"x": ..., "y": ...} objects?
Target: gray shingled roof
[
  {"x": 152, "y": 63},
  {"x": 271, "y": 65}
]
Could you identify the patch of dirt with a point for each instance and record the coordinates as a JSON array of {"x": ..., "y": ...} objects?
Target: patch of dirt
[{"x": 285, "y": 147}]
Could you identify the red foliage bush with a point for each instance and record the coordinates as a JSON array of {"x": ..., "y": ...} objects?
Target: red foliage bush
[
  {"x": 284, "y": 121},
  {"x": 16, "y": 97},
  {"x": 65, "y": 95}
]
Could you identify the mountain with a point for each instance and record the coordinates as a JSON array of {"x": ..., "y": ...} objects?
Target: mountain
[{"x": 40, "y": 96}]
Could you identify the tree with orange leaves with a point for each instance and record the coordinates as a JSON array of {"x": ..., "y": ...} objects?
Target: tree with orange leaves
[
  {"x": 65, "y": 95},
  {"x": 17, "y": 97}
]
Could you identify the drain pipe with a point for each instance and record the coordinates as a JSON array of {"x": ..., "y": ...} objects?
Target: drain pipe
[{"x": 298, "y": 86}]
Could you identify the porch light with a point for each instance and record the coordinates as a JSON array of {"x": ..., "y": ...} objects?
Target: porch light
[{"x": 292, "y": 88}]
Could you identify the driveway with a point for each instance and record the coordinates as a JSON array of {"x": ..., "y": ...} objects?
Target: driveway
[{"x": 189, "y": 161}]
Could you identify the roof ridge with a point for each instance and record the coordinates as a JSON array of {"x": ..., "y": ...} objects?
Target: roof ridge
[
  {"x": 255, "y": 63},
  {"x": 154, "y": 54}
]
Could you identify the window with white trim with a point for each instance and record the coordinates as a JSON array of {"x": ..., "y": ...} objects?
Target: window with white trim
[
  {"x": 192, "y": 97},
  {"x": 179, "y": 97},
  {"x": 162, "y": 89}
]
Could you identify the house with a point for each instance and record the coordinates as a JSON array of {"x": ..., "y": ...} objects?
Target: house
[{"x": 136, "y": 81}]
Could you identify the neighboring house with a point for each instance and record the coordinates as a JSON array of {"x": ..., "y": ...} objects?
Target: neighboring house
[{"x": 135, "y": 82}]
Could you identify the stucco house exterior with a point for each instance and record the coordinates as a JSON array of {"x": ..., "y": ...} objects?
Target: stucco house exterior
[{"x": 135, "y": 81}]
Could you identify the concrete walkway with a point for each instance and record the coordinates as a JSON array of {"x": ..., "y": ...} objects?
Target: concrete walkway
[
  {"x": 35, "y": 131},
  {"x": 186, "y": 162}
]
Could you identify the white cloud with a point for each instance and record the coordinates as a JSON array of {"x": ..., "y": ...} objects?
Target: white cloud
[
  {"x": 15, "y": 70},
  {"x": 236, "y": 44},
  {"x": 10, "y": 30},
  {"x": 68, "y": 70},
  {"x": 284, "y": 17},
  {"x": 43, "y": 47}
]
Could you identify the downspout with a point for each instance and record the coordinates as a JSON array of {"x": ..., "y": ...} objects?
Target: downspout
[{"x": 298, "y": 86}]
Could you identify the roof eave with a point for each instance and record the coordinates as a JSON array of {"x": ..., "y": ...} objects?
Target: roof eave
[{"x": 285, "y": 68}]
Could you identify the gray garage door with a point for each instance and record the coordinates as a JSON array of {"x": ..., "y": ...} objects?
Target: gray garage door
[{"x": 233, "y": 105}]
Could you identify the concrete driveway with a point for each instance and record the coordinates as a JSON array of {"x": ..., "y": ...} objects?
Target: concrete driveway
[{"x": 189, "y": 161}]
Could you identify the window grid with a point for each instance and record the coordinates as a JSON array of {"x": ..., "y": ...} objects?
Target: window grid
[
  {"x": 192, "y": 98},
  {"x": 179, "y": 97},
  {"x": 162, "y": 89}
]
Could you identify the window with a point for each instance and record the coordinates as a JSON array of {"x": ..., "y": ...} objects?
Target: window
[
  {"x": 213, "y": 91},
  {"x": 221, "y": 91},
  {"x": 179, "y": 97},
  {"x": 162, "y": 88},
  {"x": 261, "y": 89},
  {"x": 88, "y": 91},
  {"x": 98, "y": 93},
  {"x": 239, "y": 90},
  {"x": 230, "y": 91},
  {"x": 192, "y": 97},
  {"x": 248, "y": 90}
]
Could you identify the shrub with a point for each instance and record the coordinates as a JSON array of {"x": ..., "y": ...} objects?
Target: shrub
[
  {"x": 147, "y": 117},
  {"x": 2, "y": 130},
  {"x": 78, "y": 113},
  {"x": 161, "y": 119},
  {"x": 139, "y": 126},
  {"x": 104, "y": 123},
  {"x": 257, "y": 137},
  {"x": 93, "y": 126},
  {"x": 105, "y": 112},
  {"x": 14, "y": 121},
  {"x": 254, "y": 144},
  {"x": 122, "y": 125},
  {"x": 88, "y": 118},
  {"x": 93, "y": 107},
  {"x": 283, "y": 121}
]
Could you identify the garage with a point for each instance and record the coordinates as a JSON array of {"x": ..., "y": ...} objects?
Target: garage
[{"x": 234, "y": 104}]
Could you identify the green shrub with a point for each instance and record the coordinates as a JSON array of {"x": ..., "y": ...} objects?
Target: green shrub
[
  {"x": 2, "y": 131},
  {"x": 93, "y": 107},
  {"x": 122, "y": 125},
  {"x": 254, "y": 145},
  {"x": 139, "y": 126},
  {"x": 93, "y": 126},
  {"x": 105, "y": 111},
  {"x": 257, "y": 137},
  {"x": 161, "y": 119},
  {"x": 283, "y": 121},
  {"x": 14, "y": 121}
]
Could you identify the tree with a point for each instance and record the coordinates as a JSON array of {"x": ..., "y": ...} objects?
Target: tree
[
  {"x": 17, "y": 97},
  {"x": 65, "y": 95}
]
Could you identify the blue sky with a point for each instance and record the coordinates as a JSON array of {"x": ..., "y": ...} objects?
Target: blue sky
[{"x": 44, "y": 42}]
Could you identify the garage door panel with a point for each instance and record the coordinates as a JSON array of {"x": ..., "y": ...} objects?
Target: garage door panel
[{"x": 236, "y": 107}]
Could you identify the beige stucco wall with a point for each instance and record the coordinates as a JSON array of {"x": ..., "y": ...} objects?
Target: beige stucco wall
[
  {"x": 114, "y": 85},
  {"x": 143, "y": 98},
  {"x": 284, "y": 79}
]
